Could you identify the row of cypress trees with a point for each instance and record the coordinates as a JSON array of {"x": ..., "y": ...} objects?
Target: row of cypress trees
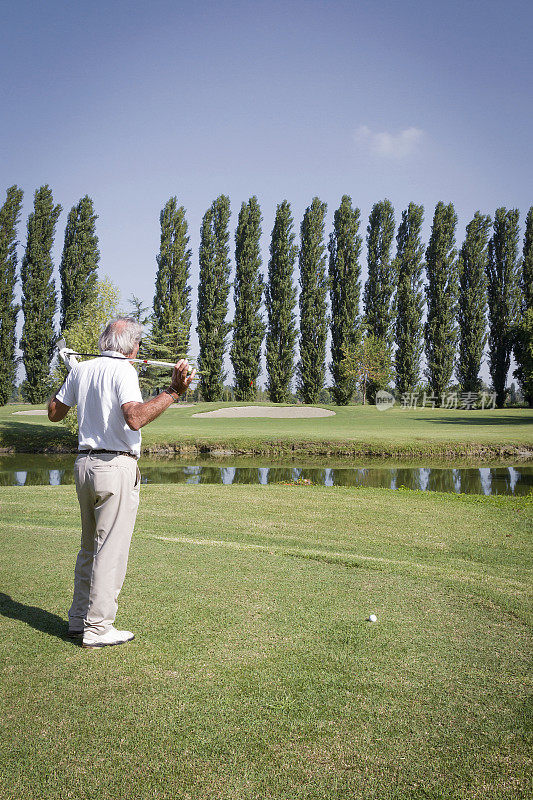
[
  {"x": 460, "y": 287},
  {"x": 78, "y": 275},
  {"x": 486, "y": 275}
]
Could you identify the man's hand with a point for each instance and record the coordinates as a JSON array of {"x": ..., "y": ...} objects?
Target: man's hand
[{"x": 180, "y": 381}]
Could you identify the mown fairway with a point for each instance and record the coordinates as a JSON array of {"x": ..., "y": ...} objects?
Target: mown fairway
[
  {"x": 254, "y": 673},
  {"x": 424, "y": 431}
]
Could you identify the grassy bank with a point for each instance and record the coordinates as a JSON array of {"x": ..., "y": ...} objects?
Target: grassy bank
[
  {"x": 353, "y": 431},
  {"x": 254, "y": 673}
]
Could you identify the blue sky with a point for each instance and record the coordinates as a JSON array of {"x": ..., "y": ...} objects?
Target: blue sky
[{"x": 134, "y": 102}]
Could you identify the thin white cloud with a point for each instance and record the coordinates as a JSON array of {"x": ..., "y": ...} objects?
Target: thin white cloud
[{"x": 390, "y": 145}]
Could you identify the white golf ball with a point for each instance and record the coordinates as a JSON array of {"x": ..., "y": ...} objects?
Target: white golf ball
[{"x": 372, "y": 618}]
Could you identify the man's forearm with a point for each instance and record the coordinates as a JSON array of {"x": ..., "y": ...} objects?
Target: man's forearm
[{"x": 137, "y": 415}]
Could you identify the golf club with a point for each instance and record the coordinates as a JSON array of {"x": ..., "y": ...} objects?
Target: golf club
[{"x": 69, "y": 356}]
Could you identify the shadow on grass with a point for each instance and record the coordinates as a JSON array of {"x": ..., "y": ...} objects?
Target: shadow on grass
[
  {"x": 36, "y": 617},
  {"x": 466, "y": 419},
  {"x": 34, "y": 435}
]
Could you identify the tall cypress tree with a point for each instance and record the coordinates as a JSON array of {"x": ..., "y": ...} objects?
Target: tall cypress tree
[
  {"x": 313, "y": 303},
  {"x": 523, "y": 339},
  {"x": 9, "y": 217},
  {"x": 172, "y": 312},
  {"x": 526, "y": 271},
  {"x": 503, "y": 296},
  {"x": 248, "y": 327},
  {"x": 79, "y": 262},
  {"x": 409, "y": 299},
  {"x": 213, "y": 291},
  {"x": 345, "y": 290},
  {"x": 39, "y": 296},
  {"x": 472, "y": 308},
  {"x": 441, "y": 295},
  {"x": 280, "y": 300},
  {"x": 381, "y": 281}
]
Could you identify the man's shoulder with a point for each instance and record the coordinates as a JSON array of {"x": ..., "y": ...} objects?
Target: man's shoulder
[{"x": 86, "y": 368}]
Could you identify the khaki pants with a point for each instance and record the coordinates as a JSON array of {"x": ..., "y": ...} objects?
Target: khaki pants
[{"x": 108, "y": 493}]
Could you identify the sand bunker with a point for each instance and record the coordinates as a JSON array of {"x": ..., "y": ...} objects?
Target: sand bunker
[{"x": 288, "y": 412}]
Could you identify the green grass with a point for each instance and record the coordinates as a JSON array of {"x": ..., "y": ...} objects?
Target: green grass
[
  {"x": 254, "y": 673},
  {"x": 353, "y": 430}
]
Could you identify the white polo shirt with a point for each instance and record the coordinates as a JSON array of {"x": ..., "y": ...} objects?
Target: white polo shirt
[{"x": 99, "y": 388}]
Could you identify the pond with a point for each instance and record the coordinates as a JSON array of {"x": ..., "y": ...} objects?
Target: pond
[{"x": 24, "y": 470}]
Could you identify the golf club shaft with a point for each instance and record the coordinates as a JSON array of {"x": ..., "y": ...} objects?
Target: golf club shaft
[{"x": 132, "y": 360}]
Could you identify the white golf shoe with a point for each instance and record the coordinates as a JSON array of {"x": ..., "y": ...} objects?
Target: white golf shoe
[{"x": 110, "y": 637}]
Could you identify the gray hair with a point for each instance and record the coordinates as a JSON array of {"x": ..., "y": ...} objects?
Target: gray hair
[{"x": 121, "y": 335}]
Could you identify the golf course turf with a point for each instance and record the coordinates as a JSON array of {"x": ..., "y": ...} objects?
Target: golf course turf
[
  {"x": 254, "y": 672},
  {"x": 353, "y": 430}
]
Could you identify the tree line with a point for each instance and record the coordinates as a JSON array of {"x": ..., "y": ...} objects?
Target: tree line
[{"x": 480, "y": 293}]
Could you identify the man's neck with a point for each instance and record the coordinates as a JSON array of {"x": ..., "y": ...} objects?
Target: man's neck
[{"x": 114, "y": 354}]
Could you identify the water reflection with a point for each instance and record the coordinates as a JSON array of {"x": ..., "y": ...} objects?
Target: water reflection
[{"x": 22, "y": 470}]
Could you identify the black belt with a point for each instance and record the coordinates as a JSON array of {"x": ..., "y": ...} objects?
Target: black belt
[{"x": 110, "y": 452}]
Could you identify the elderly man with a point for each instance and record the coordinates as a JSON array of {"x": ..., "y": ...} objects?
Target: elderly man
[{"x": 110, "y": 415}]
